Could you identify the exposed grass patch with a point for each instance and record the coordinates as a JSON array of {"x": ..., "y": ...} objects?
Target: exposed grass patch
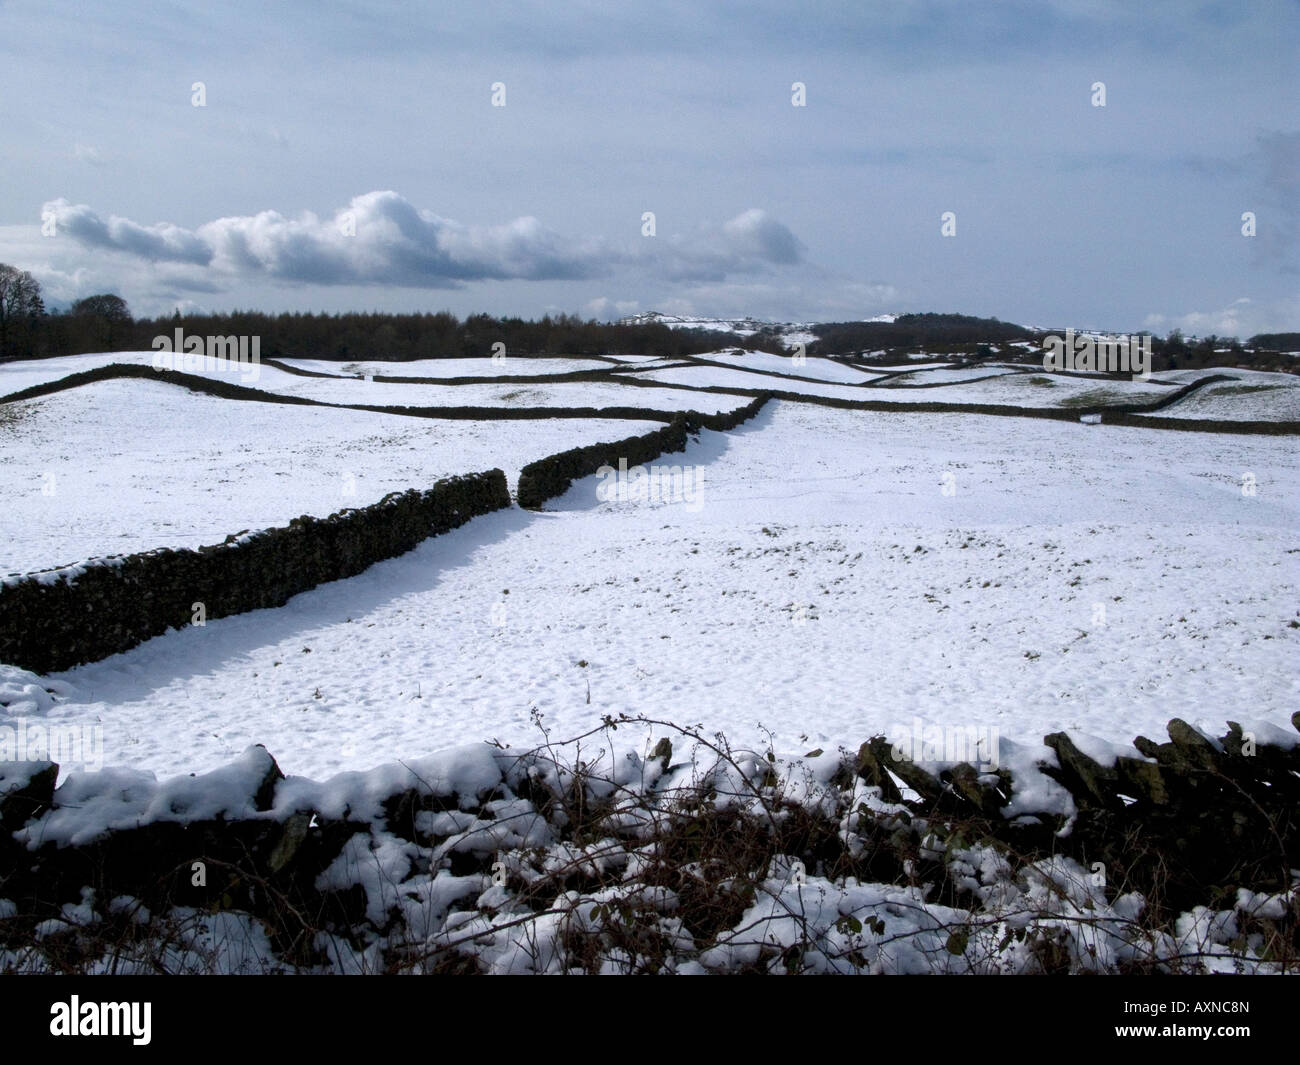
[
  {"x": 1094, "y": 397},
  {"x": 1236, "y": 390},
  {"x": 11, "y": 414},
  {"x": 518, "y": 394}
]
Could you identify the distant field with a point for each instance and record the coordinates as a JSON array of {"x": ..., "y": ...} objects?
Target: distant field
[{"x": 122, "y": 466}]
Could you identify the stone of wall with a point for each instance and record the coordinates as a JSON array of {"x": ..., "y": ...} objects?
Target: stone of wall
[
  {"x": 552, "y": 476},
  {"x": 1191, "y": 821},
  {"x": 57, "y": 619}
]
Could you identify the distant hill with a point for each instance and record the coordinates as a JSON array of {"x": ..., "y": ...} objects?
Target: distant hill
[{"x": 787, "y": 334}]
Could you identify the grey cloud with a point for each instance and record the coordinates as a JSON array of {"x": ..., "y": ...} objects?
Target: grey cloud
[
  {"x": 163, "y": 242},
  {"x": 759, "y": 236},
  {"x": 750, "y": 243},
  {"x": 381, "y": 238},
  {"x": 1278, "y": 224}
]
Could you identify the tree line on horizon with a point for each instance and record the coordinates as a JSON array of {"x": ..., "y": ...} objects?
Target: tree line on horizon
[{"x": 103, "y": 322}]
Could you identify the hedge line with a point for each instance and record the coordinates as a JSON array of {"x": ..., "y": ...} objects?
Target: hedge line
[
  {"x": 552, "y": 476},
  {"x": 62, "y": 618}
]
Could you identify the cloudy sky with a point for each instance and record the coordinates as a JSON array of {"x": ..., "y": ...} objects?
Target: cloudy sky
[{"x": 353, "y": 155}]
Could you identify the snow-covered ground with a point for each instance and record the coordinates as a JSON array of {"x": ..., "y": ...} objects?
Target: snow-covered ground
[
  {"x": 989, "y": 385},
  {"x": 24, "y": 373},
  {"x": 1252, "y": 397},
  {"x": 910, "y": 377},
  {"x": 720, "y": 377},
  {"x": 121, "y": 466},
  {"x": 831, "y": 575},
  {"x": 442, "y": 368},
  {"x": 433, "y": 393},
  {"x": 975, "y": 384},
  {"x": 824, "y": 369},
  {"x": 789, "y": 333},
  {"x": 506, "y": 394}
]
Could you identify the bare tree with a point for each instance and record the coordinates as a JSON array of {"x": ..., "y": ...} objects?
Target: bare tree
[{"x": 21, "y": 307}]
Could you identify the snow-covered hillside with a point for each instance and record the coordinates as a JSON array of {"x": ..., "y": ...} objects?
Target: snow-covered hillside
[
  {"x": 964, "y": 581},
  {"x": 837, "y": 573},
  {"x": 790, "y": 333},
  {"x": 116, "y": 467}
]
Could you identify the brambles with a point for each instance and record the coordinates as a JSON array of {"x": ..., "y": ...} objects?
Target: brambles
[{"x": 574, "y": 857}]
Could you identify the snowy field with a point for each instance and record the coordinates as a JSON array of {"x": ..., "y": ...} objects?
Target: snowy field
[
  {"x": 720, "y": 377},
  {"x": 1253, "y": 397},
  {"x": 348, "y": 389},
  {"x": 506, "y": 394},
  {"x": 938, "y": 375},
  {"x": 116, "y": 467},
  {"x": 444, "y": 368},
  {"x": 991, "y": 385},
  {"x": 837, "y": 574},
  {"x": 825, "y": 369},
  {"x": 15, "y": 376}
]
